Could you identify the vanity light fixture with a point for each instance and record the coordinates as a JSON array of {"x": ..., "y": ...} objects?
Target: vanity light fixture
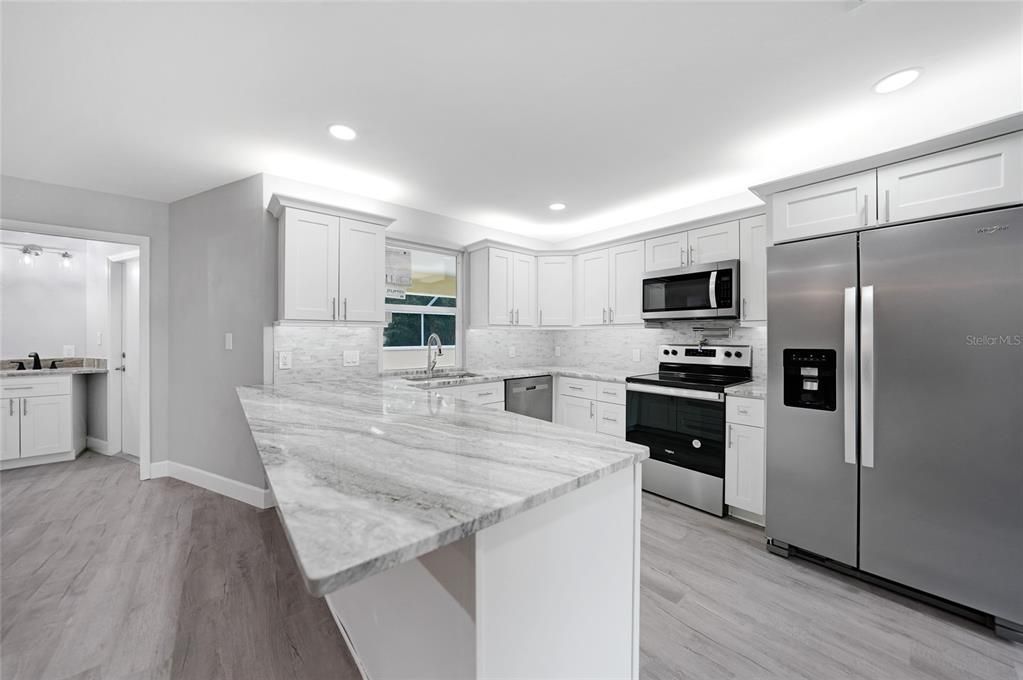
[
  {"x": 29, "y": 252},
  {"x": 896, "y": 81},
  {"x": 65, "y": 260},
  {"x": 342, "y": 132},
  {"x": 557, "y": 206}
]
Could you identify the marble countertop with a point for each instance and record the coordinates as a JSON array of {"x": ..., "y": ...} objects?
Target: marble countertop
[
  {"x": 370, "y": 473},
  {"x": 72, "y": 370},
  {"x": 754, "y": 389},
  {"x": 491, "y": 375}
]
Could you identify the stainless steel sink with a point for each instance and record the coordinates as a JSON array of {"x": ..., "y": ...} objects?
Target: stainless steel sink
[{"x": 443, "y": 376}]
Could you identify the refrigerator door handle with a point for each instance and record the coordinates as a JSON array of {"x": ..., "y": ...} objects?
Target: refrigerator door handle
[
  {"x": 849, "y": 375},
  {"x": 867, "y": 377}
]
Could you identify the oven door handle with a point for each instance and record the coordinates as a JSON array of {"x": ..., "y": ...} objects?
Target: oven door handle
[
  {"x": 713, "y": 289},
  {"x": 675, "y": 392}
]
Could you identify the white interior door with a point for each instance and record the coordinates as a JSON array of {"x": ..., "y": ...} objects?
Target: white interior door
[{"x": 130, "y": 352}]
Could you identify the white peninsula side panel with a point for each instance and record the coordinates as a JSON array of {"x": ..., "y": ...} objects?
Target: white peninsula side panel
[{"x": 549, "y": 593}]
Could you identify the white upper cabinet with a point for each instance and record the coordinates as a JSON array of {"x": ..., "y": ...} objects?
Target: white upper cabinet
[
  {"x": 666, "y": 252},
  {"x": 362, "y": 272},
  {"x": 837, "y": 205},
  {"x": 310, "y": 247},
  {"x": 625, "y": 303},
  {"x": 555, "y": 284},
  {"x": 753, "y": 268},
  {"x": 591, "y": 289},
  {"x": 331, "y": 262},
  {"x": 714, "y": 243},
  {"x": 524, "y": 289},
  {"x": 501, "y": 269},
  {"x": 985, "y": 174}
]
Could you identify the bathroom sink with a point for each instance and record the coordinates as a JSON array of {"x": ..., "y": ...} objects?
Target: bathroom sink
[{"x": 443, "y": 376}]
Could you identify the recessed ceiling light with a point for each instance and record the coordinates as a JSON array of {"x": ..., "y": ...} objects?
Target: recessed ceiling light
[
  {"x": 557, "y": 206},
  {"x": 896, "y": 81},
  {"x": 342, "y": 132}
]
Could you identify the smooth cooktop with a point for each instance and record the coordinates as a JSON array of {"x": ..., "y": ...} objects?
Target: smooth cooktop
[{"x": 691, "y": 381}]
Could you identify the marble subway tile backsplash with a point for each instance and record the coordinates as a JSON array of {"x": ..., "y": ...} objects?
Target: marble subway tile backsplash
[
  {"x": 489, "y": 347},
  {"x": 317, "y": 352}
]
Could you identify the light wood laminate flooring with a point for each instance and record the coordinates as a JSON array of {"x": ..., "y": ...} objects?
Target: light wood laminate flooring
[{"x": 107, "y": 577}]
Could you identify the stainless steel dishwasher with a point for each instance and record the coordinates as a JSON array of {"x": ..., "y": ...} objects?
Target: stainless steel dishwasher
[{"x": 530, "y": 396}]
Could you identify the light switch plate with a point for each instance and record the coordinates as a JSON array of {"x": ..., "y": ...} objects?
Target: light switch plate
[
  {"x": 284, "y": 360},
  {"x": 69, "y": 350},
  {"x": 228, "y": 340},
  {"x": 350, "y": 357},
  {"x": 557, "y": 350},
  {"x": 636, "y": 354},
  {"x": 99, "y": 338},
  {"x": 511, "y": 350}
]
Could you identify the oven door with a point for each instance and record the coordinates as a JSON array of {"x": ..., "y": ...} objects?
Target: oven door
[
  {"x": 685, "y": 431},
  {"x": 699, "y": 292}
]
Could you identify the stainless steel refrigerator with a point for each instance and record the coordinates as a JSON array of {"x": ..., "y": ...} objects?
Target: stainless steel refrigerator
[{"x": 895, "y": 406}]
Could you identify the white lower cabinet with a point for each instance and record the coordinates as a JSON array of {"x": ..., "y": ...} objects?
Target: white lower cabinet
[
  {"x": 45, "y": 425},
  {"x": 744, "y": 462},
  {"x": 39, "y": 417},
  {"x": 10, "y": 436},
  {"x": 577, "y": 412},
  {"x": 611, "y": 419}
]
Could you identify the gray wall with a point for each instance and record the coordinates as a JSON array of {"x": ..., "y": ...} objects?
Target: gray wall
[
  {"x": 223, "y": 260},
  {"x": 31, "y": 201}
]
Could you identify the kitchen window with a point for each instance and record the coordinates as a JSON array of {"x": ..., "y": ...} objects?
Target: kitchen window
[{"x": 422, "y": 298}]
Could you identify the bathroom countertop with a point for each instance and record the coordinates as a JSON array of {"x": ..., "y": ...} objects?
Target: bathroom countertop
[{"x": 70, "y": 370}]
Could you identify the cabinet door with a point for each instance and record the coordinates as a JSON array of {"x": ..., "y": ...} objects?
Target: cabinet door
[
  {"x": 591, "y": 290},
  {"x": 499, "y": 287},
  {"x": 362, "y": 272},
  {"x": 714, "y": 243},
  {"x": 554, "y": 276},
  {"x": 744, "y": 468},
  {"x": 524, "y": 289},
  {"x": 753, "y": 267},
  {"x": 666, "y": 252},
  {"x": 311, "y": 252},
  {"x": 981, "y": 175},
  {"x": 10, "y": 429},
  {"x": 45, "y": 425},
  {"x": 841, "y": 204},
  {"x": 579, "y": 414},
  {"x": 626, "y": 280}
]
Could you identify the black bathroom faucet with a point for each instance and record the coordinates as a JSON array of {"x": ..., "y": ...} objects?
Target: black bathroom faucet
[{"x": 36, "y": 364}]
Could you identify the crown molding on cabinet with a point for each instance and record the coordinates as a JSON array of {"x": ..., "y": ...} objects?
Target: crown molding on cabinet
[
  {"x": 622, "y": 240},
  {"x": 994, "y": 128},
  {"x": 279, "y": 202}
]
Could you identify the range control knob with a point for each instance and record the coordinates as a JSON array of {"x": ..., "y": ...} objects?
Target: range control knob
[
  {"x": 738, "y": 355},
  {"x": 666, "y": 352},
  {"x": 674, "y": 352},
  {"x": 728, "y": 355}
]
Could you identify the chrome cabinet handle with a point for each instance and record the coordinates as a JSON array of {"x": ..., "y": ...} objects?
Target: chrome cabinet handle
[
  {"x": 611, "y": 392},
  {"x": 691, "y": 258},
  {"x": 516, "y": 316},
  {"x": 867, "y": 376},
  {"x": 346, "y": 309},
  {"x": 849, "y": 375},
  {"x": 613, "y": 420},
  {"x": 333, "y": 308},
  {"x": 11, "y": 404},
  {"x": 18, "y": 388},
  {"x": 611, "y": 315},
  {"x": 866, "y": 200},
  {"x": 24, "y": 407},
  {"x": 887, "y": 205},
  {"x": 591, "y": 409},
  {"x": 744, "y": 315},
  {"x": 682, "y": 257},
  {"x": 603, "y": 316},
  {"x": 511, "y": 316},
  {"x": 742, "y": 411},
  {"x": 483, "y": 394},
  {"x": 541, "y": 317},
  {"x": 729, "y": 444},
  {"x": 574, "y": 387}
]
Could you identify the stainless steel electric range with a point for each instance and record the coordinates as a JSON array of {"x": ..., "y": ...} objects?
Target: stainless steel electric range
[{"x": 679, "y": 412}]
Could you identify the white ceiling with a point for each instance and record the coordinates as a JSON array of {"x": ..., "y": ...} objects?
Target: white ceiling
[{"x": 488, "y": 112}]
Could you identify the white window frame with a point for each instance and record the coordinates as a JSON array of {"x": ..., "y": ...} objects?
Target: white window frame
[{"x": 456, "y": 311}]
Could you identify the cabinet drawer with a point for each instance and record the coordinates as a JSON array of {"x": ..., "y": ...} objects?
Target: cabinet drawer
[
  {"x": 744, "y": 411},
  {"x": 42, "y": 386},
  {"x": 483, "y": 393},
  {"x": 575, "y": 387},
  {"x": 611, "y": 419},
  {"x": 612, "y": 393}
]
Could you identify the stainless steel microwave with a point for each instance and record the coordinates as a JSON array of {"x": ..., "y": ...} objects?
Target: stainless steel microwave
[{"x": 703, "y": 291}]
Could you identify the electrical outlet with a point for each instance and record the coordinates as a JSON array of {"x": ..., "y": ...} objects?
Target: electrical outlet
[
  {"x": 284, "y": 360},
  {"x": 99, "y": 339},
  {"x": 636, "y": 354},
  {"x": 350, "y": 357},
  {"x": 228, "y": 340},
  {"x": 557, "y": 350},
  {"x": 511, "y": 350},
  {"x": 69, "y": 350}
]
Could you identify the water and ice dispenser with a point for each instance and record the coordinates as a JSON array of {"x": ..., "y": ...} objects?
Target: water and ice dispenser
[{"x": 810, "y": 378}]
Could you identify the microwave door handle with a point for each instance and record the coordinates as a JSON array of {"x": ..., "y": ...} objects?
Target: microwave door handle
[{"x": 713, "y": 290}]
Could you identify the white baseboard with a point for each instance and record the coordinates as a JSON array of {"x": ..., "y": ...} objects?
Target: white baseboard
[
  {"x": 99, "y": 446},
  {"x": 239, "y": 491}
]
